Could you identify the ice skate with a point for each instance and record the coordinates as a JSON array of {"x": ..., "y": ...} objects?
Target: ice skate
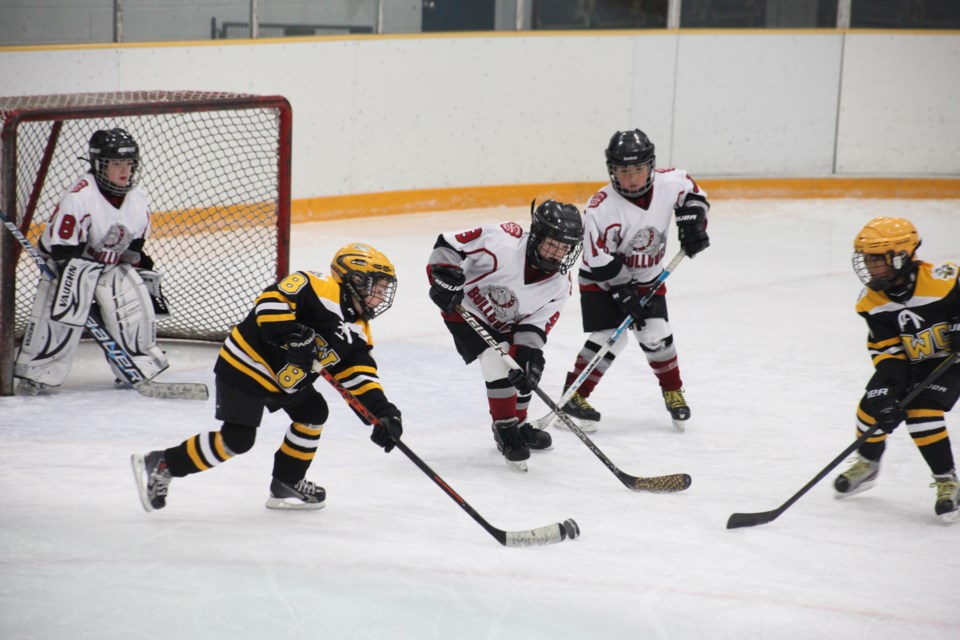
[
  {"x": 302, "y": 495},
  {"x": 535, "y": 439},
  {"x": 27, "y": 387},
  {"x": 947, "y": 506},
  {"x": 861, "y": 475},
  {"x": 677, "y": 406},
  {"x": 510, "y": 443},
  {"x": 153, "y": 479},
  {"x": 581, "y": 413}
]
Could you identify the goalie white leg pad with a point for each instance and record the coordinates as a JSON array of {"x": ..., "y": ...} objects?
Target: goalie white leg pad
[
  {"x": 127, "y": 313},
  {"x": 48, "y": 346},
  {"x": 75, "y": 291}
]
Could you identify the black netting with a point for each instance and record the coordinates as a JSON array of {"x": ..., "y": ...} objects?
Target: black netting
[{"x": 212, "y": 181}]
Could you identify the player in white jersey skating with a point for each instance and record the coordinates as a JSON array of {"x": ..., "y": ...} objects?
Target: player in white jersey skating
[
  {"x": 94, "y": 243},
  {"x": 625, "y": 240},
  {"x": 515, "y": 283}
]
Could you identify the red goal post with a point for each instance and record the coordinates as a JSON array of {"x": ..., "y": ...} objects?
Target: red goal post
[{"x": 216, "y": 170}]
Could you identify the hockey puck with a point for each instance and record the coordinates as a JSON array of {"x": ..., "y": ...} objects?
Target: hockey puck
[{"x": 572, "y": 528}]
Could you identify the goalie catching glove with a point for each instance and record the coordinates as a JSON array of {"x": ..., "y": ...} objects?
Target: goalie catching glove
[
  {"x": 446, "y": 287},
  {"x": 301, "y": 347},
  {"x": 531, "y": 362},
  {"x": 388, "y": 429}
]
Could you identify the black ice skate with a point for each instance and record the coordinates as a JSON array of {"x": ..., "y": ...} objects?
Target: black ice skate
[
  {"x": 302, "y": 495},
  {"x": 153, "y": 479},
  {"x": 510, "y": 443},
  {"x": 861, "y": 475},
  {"x": 677, "y": 406},
  {"x": 583, "y": 415},
  {"x": 535, "y": 439},
  {"x": 947, "y": 506}
]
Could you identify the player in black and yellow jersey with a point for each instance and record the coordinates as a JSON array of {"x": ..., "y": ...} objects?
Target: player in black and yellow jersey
[
  {"x": 265, "y": 363},
  {"x": 912, "y": 309}
]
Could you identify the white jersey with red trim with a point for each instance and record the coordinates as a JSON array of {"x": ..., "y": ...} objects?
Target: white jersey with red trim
[
  {"x": 85, "y": 218},
  {"x": 496, "y": 287},
  {"x": 617, "y": 229}
]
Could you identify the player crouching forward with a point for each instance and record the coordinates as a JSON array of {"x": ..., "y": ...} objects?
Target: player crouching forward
[
  {"x": 515, "y": 283},
  {"x": 266, "y": 362},
  {"x": 94, "y": 243},
  {"x": 912, "y": 309}
]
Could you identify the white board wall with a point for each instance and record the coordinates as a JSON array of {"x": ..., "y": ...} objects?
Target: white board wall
[{"x": 377, "y": 114}]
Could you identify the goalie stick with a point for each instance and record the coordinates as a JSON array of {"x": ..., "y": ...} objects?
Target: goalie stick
[
  {"x": 111, "y": 348},
  {"x": 657, "y": 484},
  {"x": 738, "y": 520},
  {"x": 549, "y": 534},
  {"x": 547, "y": 420}
]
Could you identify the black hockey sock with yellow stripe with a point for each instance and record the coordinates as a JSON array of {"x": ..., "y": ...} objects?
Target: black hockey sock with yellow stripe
[
  {"x": 293, "y": 458},
  {"x": 207, "y": 450}
]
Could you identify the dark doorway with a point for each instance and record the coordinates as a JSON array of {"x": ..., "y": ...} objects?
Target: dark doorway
[{"x": 458, "y": 15}]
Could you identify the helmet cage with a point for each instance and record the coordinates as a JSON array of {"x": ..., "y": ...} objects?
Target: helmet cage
[
  {"x": 113, "y": 144},
  {"x": 366, "y": 273},
  {"x": 631, "y": 149},
  {"x": 561, "y": 223},
  {"x": 884, "y": 252}
]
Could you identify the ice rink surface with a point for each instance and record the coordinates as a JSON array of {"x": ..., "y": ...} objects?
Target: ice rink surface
[{"x": 773, "y": 361}]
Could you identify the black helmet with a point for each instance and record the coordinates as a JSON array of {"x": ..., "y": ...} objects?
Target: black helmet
[
  {"x": 561, "y": 222},
  {"x": 113, "y": 144},
  {"x": 630, "y": 148}
]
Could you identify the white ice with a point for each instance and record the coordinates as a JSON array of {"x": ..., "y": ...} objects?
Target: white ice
[{"x": 773, "y": 360}]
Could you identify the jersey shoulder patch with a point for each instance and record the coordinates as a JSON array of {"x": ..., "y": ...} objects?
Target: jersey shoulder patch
[
  {"x": 80, "y": 185},
  {"x": 597, "y": 198},
  {"x": 512, "y": 228},
  {"x": 944, "y": 271}
]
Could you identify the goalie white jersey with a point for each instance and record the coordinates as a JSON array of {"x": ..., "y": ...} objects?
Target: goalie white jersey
[
  {"x": 500, "y": 287},
  {"x": 88, "y": 220},
  {"x": 626, "y": 239}
]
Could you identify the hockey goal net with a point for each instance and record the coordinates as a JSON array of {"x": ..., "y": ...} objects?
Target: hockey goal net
[{"x": 216, "y": 171}]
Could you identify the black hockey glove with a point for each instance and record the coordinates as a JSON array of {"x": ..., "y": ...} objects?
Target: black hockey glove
[
  {"x": 953, "y": 334},
  {"x": 446, "y": 290},
  {"x": 301, "y": 347},
  {"x": 527, "y": 377},
  {"x": 390, "y": 428},
  {"x": 626, "y": 296},
  {"x": 882, "y": 402},
  {"x": 692, "y": 229}
]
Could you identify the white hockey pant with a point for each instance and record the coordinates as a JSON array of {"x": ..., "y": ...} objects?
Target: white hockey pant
[{"x": 127, "y": 314}]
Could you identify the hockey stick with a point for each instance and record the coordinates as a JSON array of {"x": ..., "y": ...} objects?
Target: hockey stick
[
  {"x": 549, "y": 534},
  {"x": 113, "y": 349},
  {"x": 738, "y": 520},
  {"x": 657, "y": 484},
  {"x": 547, "y": 420}
]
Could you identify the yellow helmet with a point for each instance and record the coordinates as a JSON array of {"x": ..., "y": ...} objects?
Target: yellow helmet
[
  {"x": 368, "y": 275},
  {"x": 891, "y": 244}
]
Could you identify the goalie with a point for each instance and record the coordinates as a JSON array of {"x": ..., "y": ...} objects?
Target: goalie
[{"x": 94, "y": 243}]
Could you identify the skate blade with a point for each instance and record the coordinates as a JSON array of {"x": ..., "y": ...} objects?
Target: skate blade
[
  {"x": 866, "y": 486},
  {"x": 520, "y": 465},
  {"x": 293, "y": 504},
  {"x": 544, "y": 422},
  {"x": 139, "y": 473},
  {"x": 680, "y": 425},
  {"x": 587, "y": 426},
  {"x": 951, "y": 516}
]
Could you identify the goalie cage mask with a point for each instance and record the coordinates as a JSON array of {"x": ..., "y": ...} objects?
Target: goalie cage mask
[
  {"x": 113, "y": 144},
  {"x": 630, "y": 149},
  {"x": 883, "y": 252},
  {"x": 560, "y": 222},
  {"x": 366, "y": 273}
]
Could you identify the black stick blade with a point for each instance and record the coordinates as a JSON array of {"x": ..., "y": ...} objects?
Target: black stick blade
[{"x": 738, "y": 520}]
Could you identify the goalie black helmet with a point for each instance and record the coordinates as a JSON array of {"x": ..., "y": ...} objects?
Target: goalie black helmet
[
  {"x": 630, "y": 152},
  {"x": 117, "y": 145},
  {"x": 368, "y": 275},
  {"x": 556, "y": 236},
  {"x": 883, "y": 252}
]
